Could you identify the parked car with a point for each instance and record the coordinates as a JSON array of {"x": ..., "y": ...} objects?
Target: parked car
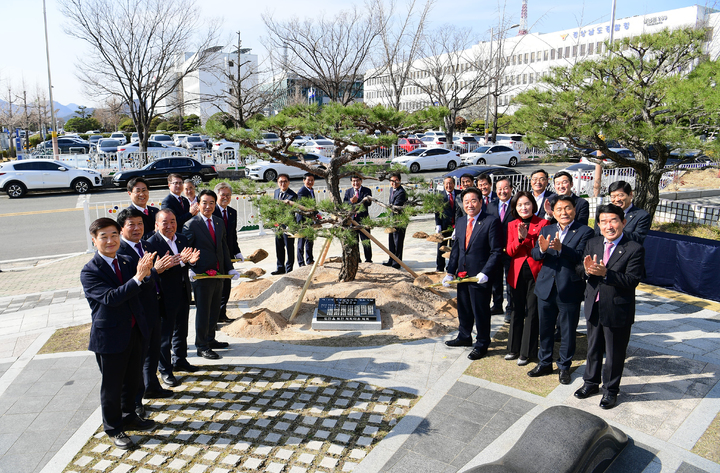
[
  {"x": 164, "y": 139},
  {"x": 464, "y": 143},
  {"x": 194, "y": 142},
  {"x": 269, "y": 170},
  {"x": 19, "y": 177},
  {"x": 154, "y": 149},
  {"x": 268, "y": 139},
  {"x": 513, "y": 141},
  {"x": 434, "y": 133},
  {"x": 425, "y": 159},
  {"x": 405, "y": 145},
  {"x": 107, "y": 145},
  {"x": 321, "y": 147},
  {"x": 120, "y": 136},
  {"x": 178, "y": 138},
  {"x": 433, "y": 141},
  {"x": 135, "y": 136},
  {"x": 67, "y": 145},
  {"x": 500, "y": 155},
  {"x": 519, "y": 180},
  {"x": 156, "y": 172},
  {"x": 93, "y": 139},
  {"x": 225, "y": 145}
]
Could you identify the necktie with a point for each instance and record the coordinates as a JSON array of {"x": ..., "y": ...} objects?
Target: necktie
[
  {"x": 225, "y": 217},
  {"x": 452, "y": 208},
  {"x": 468, "y": 231},
  {"x": 392, "y": 193},
  {"x": 502, "y": 211},
  {"x": 212, "y": 231},
  {"x": 606, "y": 257},
  {"x": 146, "y": 211},
  {"x": 357, "y": 194},
  {"x": 487, "y": 200},
  {"x": 139, "y": 249},
  {"x": 181, "y": 202}
]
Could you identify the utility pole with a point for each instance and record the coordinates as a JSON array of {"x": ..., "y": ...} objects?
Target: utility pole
[
  {"x": 56, "y": 150},
  {"x": 487, "y": 97},
  {"x": 238, "y": 82}
]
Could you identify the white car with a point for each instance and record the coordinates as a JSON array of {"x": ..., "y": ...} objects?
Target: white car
[
  {"x": 154, "y": 149},
  {"x": 120, "y": 136},
  {"x": 269, "y": 170},
  {"x": 423, "y": 159},
  {"x": 225, "y": 145},
  {"x": 498, "y": 155},
  {"x": 321, "y": 147},
  {"x": 433, "y": 141},
  {"x": 178, "y": 138},
  {"x": 18, "y": 177}
]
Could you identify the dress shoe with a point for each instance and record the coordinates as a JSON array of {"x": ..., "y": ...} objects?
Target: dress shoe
[
  {"x": 540, "y": 370},
  {"x": 215, "y": 345},
  {"x": 387, "y": 263},
  {"x": 586, "y": 391},
  {"x": 209, "y": 354},
  {"x": 140, "y": 411},
  {"x": 279, "y": 271},
  {"x": 170, "y": 380},
  {"x": 508, "y": 319},
  {"x": 477, "y": 354},
  {"x": 187, "y": 367},
  {"x": 138, "y": 423},
  {"x": 160, "y": 393},
  {"x": 368, "y": 261},
  {"x": 122, "y": 441},
  {"x": 608, "y": 401},
  {"x": 511, "y": 356},
  {"x": 497, "y": 310},
  {"x": 564, "y": 377},
  {"x": 522, "y": 361},
  {"x": 224, "y": 319},
  {"x": 456, "y": 342}
]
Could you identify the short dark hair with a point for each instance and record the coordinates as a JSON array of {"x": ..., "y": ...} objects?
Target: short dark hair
[
  {"x": 133, "y": 182},
  {"x": 309, "y": 174},
  {"x": 207, "y": 192},
  {"x": 286, "y": 176},
  {"x": 561, "y": 174},
  {"x": 484, "y": 177},
  {"x": 125, "y": 214},
  {"x": 611, "y": 209},
  {"x": 396, "y": 174},
  {"x": 103, "y": 222},
  {"x": 564, "y": 198},
  {"x": 471, "y": 190},
  {"x": 356, "y": 176},
  {"x": 165, "y": 211},
  {"x": 189, "y": 181},
  {"x": 620, "y": 186},
  {"x": 537, "y": 171},
  {"x": 503, "y": 178},
  {"x": 448, "y": 177},
  {"x": 516, "y": 197},
  {"x": 174, "y": 175},
  {"x": 468, "y": 176}
]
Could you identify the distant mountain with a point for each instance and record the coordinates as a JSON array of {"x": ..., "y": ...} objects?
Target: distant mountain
[{"x": 63, "y": 111}]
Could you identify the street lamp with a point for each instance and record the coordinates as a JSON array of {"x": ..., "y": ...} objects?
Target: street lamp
[
  {"x": 487, "y": 98},
  {"x": 56, "y": 151}
]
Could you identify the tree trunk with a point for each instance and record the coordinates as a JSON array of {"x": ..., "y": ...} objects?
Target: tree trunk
[
  {"x": 350, "y": 262},
  {"x": 647, "y": 189}
]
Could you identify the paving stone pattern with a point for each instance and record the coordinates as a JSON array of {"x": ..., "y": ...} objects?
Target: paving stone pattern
[{"x": 235, "y": 418}]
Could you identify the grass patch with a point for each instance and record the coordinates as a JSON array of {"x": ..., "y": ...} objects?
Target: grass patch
[
  {"x": 709, "y": 444},
  {"x": 496, "y": 369},
  {"x": 68, "y": 339},
  {"x": 689, "y": 229}
]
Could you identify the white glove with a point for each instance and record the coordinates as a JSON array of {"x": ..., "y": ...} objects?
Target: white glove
[
  {"x": 191, "y": 273},
  {"x": 240, "y": 257},
  {"x": 453, "y": 234},
  {"x": 482, "y": 279},
  {"x": 236, "y": 275},
  {"x": 438, "y": 228},
  {"x": 446, "y": 280}
]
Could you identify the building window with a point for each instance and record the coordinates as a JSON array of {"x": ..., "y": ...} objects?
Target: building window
[
  {"x": 598, "y": 48},
  {"x": 567, "y": 52},
  {"x": 574, "y": 51},
  {"x": 526, "y": 58},
  {"x": 524, "y": 78},
  {"x": 582, "y": 49},
  {"x": 532, "y": 57},
  {"x": 530, "y": 81},
  {"x": 590, "y": 48},
  {"x": 552, "y": 54},
  {"x": 559, "y": 53}
]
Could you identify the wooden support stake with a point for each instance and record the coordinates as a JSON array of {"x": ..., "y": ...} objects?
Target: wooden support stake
[
  {"x": 324, "y": 254},
  {"x": 307, "y": 283}
]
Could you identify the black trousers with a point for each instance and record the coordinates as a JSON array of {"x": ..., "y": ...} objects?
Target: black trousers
[
  {"x": 224, "y": 298},
  {"x": 367, "y": 249},
  {"x": 151, "y": 358},
  {"x": 554, "y": 311},
  {"x": 396, "y": 241},
  {"x": 611, "y": 342},
  {"x": 121, "y": 378},
  {"x": 305, "y": 252},
  {"x": 285, "y": 245},
  {"x": 173, "y": 336},
  {"x": 474, "y": 309},
  {"x": 439, "y": 260},
  {"x": 524, "y": 328},
  {"x": 208, "y": 293},
  {"x": 498, "y": 280}
]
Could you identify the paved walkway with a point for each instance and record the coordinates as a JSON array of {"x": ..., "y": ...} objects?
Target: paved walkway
[{"x": 275, "y": 407}]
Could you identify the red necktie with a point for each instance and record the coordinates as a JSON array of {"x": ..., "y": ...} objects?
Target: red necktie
[
  {"x": 468, "y": 231},
  {"x": 212, "y": 231},
  {"x": 487, "y": 200},
  {"x": 606, "y": 257},
  {"x": 452, "y": 208},
  {"x": 146, "y": 211},
  {"x": 357, "y": 195},
  {"x": 181, "y": 202},
  {"x": 116, "y": 267}
]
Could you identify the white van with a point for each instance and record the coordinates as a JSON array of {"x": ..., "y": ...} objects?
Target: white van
[
  {"x": 511, "y": 140},
  {"x": 120, "y": 136}
]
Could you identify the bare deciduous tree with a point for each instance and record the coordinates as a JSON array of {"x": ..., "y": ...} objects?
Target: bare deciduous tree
[
  {"x": 137, "y": 50},
  {"x": 329, "y": 53}
]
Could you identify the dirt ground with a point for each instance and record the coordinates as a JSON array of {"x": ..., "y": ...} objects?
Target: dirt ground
[
  {"x": 408, "y": 311},
  {"x": 701, "y": 179}
]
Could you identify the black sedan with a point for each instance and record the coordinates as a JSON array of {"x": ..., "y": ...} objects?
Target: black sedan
[
  {"x": 67, "y": 145},
  {"x": 156, "y": 172},
  {"x": 519, "y": 181}
]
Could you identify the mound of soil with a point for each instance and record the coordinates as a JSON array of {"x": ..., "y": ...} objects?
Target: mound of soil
[{"x": 249, "y": 290}]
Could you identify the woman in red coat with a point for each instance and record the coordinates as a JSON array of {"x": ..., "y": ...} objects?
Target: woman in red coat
[{"x": 522, "y": 236}]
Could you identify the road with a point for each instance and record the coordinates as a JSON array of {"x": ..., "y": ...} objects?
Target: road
[{"x": 48, "y": 224}]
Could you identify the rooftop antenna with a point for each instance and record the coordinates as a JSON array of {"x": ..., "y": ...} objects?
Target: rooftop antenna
[{"x": 523, "y": 20}]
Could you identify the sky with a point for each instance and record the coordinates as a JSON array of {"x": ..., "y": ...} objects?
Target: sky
[{"x": 24, "y": 57}]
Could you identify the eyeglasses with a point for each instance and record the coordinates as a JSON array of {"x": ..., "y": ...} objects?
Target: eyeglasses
[
  {"x": 394, "y": 180},
  {"x": 539, "y": 179}
]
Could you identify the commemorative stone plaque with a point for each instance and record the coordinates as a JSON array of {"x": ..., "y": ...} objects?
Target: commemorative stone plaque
[{"x": 346, "y": 314}]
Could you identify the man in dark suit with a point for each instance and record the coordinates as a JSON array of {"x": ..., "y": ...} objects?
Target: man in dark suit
[
  {"x": 559, "y": 288},
  {"x": 484, "y": 183},
  {"x": 284, "y": 244},
  {"x": 609, "y": 302},
  {"x": 206, "y": 233},
  {"x": 176, "y": 296},
  {"x": 305, "y": 245},
  {"x": 112, "y": 285},
  {"x": 445, "y": 220},
  {"x": 475, "y": 253},
  {"x": 539, "y": 183},
  {"x": 139, "y": 193},
  {"x": 396, "y": 239},
  {"x": 229, "y": 217},
  {"x": 132, "y": 246},
  {"x": 637, "y": 221},
  {"x": 563, "y": 186},
  {"x": 501, "y": 209},
  {"x": 466, "y": 181},
  {"x": 176, "y": 202},
  {"x": 355, "y": 194}
]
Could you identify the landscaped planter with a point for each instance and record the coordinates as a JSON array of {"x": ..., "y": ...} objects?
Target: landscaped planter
[{"x": 685, "y": 264}]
